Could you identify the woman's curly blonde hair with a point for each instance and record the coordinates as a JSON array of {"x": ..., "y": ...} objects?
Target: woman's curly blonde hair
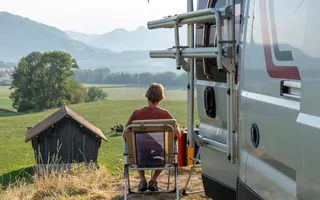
[{"x": 155, "y": 93}]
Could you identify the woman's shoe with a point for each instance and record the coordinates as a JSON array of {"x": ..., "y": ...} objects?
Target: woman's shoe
[
  {"x": 153, "y": 185},
  {"x": 142, "y": 186}
]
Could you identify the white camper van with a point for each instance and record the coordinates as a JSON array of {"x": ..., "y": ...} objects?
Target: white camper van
[{"x": 257, "y": 71}]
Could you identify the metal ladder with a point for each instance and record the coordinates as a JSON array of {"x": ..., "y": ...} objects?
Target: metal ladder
[{"x": 224, "y": 52}]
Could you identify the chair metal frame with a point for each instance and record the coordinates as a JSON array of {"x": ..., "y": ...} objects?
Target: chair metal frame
[
  {"x": 196, "y": 164},
  {"x": 130, "y": 155}
]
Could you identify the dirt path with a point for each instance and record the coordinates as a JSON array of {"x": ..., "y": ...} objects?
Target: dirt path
[{"x": 195, "y": 184}]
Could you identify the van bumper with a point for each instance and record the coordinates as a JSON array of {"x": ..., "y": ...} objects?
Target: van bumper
[
  {"x": 246, "y": 193},
  {"x": 216, "y": 190}
]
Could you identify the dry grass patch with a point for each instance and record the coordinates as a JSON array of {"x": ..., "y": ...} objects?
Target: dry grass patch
[
  {"x": 91, "y": 184},
  {"x": 75, "y": 183}
]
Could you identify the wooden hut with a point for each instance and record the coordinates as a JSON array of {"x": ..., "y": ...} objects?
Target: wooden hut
[{"x": 65, "y": 138}]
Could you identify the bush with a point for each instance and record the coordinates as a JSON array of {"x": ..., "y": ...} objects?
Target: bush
[{"x": 95, "y": 94}]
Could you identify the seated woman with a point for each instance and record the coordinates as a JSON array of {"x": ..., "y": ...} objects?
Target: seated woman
[{"x": 154, "y": 94}]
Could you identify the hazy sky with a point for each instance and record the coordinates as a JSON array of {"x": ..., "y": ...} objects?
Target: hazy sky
[{"x": 93, "y": 16}]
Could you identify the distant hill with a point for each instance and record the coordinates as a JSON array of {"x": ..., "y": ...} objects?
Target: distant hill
[
  {"x": 20, "y": 36},
  {"x": 139, "y": 39},
  {"x": 86, "y": 38}
]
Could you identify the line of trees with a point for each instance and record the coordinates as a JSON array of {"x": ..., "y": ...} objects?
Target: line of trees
[
  {"x": 46, "y": 80},
  {"x": 7, "y": 65},
  {"x": 105, "y": 76},
  {"x": 5, "y": 74}
]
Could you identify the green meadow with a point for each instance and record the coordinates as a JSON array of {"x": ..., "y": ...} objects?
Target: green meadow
[{"x": 16, "y": 155}]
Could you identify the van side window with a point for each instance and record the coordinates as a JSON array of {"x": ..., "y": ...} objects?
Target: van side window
[{"x": 205, "y": 34}]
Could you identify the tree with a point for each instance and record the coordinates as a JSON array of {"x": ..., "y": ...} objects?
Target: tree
[
  {"x": 95, "y": 94},
  {"x": 77, "y": 93},
  {"x": 44, "y": 80}
]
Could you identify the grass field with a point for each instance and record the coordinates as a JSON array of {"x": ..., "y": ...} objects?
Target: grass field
[
  {"x": 5, "y": 102},
  {"x": 15, "y": 154},
  {"x": 115, "y": 92}
]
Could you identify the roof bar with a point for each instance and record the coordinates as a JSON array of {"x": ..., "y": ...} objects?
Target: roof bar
[
  {"x": 199, "y": 16},
  {"x": 200, "y": 52}
]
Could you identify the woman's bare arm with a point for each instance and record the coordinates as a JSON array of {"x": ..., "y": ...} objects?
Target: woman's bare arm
[
  {"x": 124, "y": 134},
  {"x": 128, "y": 123},
  {"x": 177, "y": 132}
]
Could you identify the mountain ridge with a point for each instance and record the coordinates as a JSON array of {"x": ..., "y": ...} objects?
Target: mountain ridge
[
  {"x": 121, "y": 39},
  {"x": 22, "y": 36}
]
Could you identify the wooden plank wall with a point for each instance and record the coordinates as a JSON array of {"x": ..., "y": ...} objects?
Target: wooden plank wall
[{"x": 78, "y": 144}]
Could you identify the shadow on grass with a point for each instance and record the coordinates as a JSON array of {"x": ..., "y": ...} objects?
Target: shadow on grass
[
  {"x": 115, "y": 135},
  {"x": 151, "y": 196},
  {"x": 118, "y": 198},
  {"x": 14, "y": 176},
  {"x": 9, "y": 113}
]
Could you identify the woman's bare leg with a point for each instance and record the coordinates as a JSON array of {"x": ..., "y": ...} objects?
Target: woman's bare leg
[
  {"x": 142, "y": 175},
  {"x": 156, "y": 174},
  {"x": 143, "y": 182}
]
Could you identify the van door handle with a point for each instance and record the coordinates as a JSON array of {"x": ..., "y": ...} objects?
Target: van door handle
[
  {"x": 290, "y": 89},
  {"x": 210, "y": 102}
]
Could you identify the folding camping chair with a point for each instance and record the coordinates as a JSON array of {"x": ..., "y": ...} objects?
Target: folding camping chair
[
  {"x": 196, "y": 164},
  {"x": 150, "y": 145}
]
